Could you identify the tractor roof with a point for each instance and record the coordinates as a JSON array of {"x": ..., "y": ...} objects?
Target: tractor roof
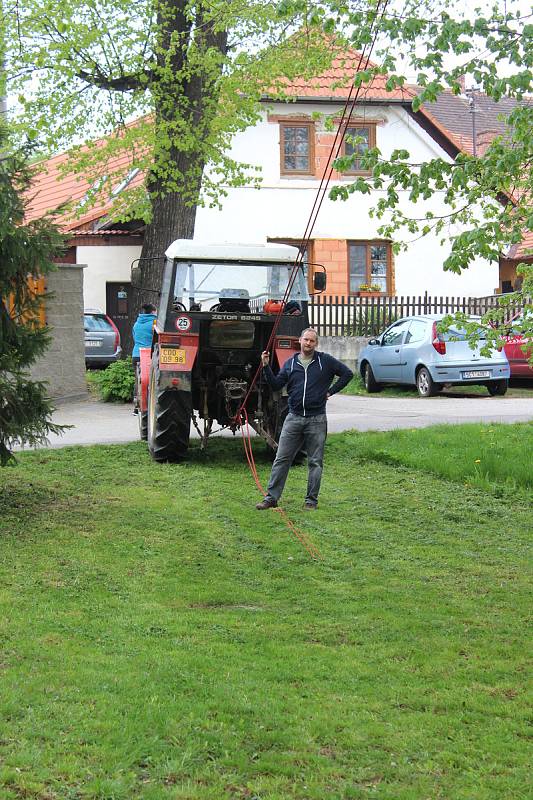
[{"x": 254, "y": 253}]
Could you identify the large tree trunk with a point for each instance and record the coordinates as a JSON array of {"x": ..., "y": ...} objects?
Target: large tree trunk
[
  {"x": 171, "y": 219},
  {"x": 192, "y": 93}
]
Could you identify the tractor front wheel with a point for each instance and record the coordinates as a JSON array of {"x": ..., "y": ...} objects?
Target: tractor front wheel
[{"x": 169, "y": 418}]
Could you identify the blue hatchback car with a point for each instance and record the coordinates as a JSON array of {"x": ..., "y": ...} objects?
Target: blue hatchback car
[{"x": 413, "y": 351}]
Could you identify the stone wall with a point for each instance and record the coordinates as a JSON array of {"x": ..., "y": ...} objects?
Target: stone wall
[
  {"x": 63, "y": 364},
  {"x": 345, "y": 348}
]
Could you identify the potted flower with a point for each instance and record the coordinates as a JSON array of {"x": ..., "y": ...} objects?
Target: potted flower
[{"x": 369, "y": 289}]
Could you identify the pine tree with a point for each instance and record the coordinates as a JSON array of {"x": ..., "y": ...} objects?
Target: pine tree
[{"x": 25, "y": 250}]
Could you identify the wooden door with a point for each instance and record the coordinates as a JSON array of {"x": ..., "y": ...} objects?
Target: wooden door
[{"x": 118, "y": 296}]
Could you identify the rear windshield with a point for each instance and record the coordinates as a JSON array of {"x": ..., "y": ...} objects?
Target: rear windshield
[
  {"x": 96, "y": 322},
  {"x": 456, "y": 334}
]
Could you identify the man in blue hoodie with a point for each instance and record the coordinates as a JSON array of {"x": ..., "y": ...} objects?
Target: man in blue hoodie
[{"x": 308, "y": 376}]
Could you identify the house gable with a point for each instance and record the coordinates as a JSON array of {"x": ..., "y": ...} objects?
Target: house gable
[{"x": 280, "y": 208}]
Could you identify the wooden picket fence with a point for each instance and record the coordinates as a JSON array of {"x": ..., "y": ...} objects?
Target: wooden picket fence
[{"x": 367, "y": 316}]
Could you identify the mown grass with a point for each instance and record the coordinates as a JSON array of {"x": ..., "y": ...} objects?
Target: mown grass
[{"x": 162, "y": 639}]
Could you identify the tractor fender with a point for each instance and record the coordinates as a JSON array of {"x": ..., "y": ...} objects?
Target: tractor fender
[
  {"x": 284, "y": 348},
  {"x": 177, "y": 352}
]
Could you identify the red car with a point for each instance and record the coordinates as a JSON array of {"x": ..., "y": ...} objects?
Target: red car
[{"x": 518, "y": 350}]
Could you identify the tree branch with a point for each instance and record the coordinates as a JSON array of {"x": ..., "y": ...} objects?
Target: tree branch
[{"x": 126, "y": 83}]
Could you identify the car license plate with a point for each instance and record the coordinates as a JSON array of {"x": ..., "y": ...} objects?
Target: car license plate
[
  {"x": 93, "y": 343},
  {"x": 172, "y": 356},
  {"x": 476, "y": 373}
]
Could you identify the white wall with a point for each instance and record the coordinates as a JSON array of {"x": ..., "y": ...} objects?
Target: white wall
[
  {"x": 420, "y": 269},
  {"x": 104, "y": 264},
  {"x": 281, "y": 207}
]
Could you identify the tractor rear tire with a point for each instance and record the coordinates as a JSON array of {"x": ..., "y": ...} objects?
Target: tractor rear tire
[{"x": 169, "y": 418}]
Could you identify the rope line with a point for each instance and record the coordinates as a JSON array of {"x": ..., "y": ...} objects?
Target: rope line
[
  {"x": 241, "y": 417},
  {"x": 300, "y": 535},
  {"x": 346, "y": 116}
]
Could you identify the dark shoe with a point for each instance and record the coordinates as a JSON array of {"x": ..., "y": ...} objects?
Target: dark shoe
[
  {"x": 310, "y": 506},
  {"x": 268, "y": 502}
]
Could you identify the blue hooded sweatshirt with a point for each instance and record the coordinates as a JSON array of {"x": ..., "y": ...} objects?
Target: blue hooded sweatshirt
[
  {"x": 142, "y": 333},
  {"x": 308, "y": 389}
]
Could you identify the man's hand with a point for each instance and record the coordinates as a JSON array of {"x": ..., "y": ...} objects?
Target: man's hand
[{"x": 265, "y": 358}]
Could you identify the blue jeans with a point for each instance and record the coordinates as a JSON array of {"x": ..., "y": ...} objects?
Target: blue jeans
[{"x": 298, "y": 432}]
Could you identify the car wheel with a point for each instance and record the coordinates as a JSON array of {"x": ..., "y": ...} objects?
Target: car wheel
[
  {"x": 425, "y": 384},
  {"x": 497, "y": 387},
  {"x": 371, "y": 385}
]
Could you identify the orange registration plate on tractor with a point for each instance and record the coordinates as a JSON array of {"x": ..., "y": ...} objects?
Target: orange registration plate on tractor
[{"x": 171, "y": 355}]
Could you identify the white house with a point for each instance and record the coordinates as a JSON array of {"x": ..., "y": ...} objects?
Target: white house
[{"x": 291, "y": 144}]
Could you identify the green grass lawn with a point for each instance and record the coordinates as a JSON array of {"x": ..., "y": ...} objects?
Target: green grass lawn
[{"x": 160, "y": 639}]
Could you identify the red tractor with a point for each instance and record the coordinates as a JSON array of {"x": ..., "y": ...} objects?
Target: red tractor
[{"x": 216, "y": 312}]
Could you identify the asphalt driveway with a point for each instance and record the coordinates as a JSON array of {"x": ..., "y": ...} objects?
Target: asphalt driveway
[{"x": 108, "y": 423}]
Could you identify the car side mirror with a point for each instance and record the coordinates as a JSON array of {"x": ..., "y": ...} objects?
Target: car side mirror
[{"x": 374, "y": 341}]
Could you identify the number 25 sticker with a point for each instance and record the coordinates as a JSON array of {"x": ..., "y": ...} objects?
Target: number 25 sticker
[{"x": 183, "y": 323}]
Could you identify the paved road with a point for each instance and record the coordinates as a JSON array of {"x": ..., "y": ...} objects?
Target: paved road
[{"x": 107, "y": 423}]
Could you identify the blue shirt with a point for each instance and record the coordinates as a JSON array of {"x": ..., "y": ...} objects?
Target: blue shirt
[{"x": 142, "y": 333}]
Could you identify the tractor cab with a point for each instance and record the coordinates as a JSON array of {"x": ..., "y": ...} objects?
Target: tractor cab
[{"x": 216, "y": 313}]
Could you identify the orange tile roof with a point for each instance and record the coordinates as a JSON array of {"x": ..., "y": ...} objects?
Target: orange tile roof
[
  {"x": 52, "y": 186},
  {"x": 336, "y": 82}
]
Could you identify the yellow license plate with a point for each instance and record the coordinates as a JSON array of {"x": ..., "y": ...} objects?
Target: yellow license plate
[{"x": 172, "y": 356}]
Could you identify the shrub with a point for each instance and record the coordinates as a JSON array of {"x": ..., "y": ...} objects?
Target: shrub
[{"x": 116, "y": 382}]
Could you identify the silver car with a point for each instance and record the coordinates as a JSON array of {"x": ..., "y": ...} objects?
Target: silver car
[
  {"x": 413, "y": 351},
  {"x": 102, "y": 339}
]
